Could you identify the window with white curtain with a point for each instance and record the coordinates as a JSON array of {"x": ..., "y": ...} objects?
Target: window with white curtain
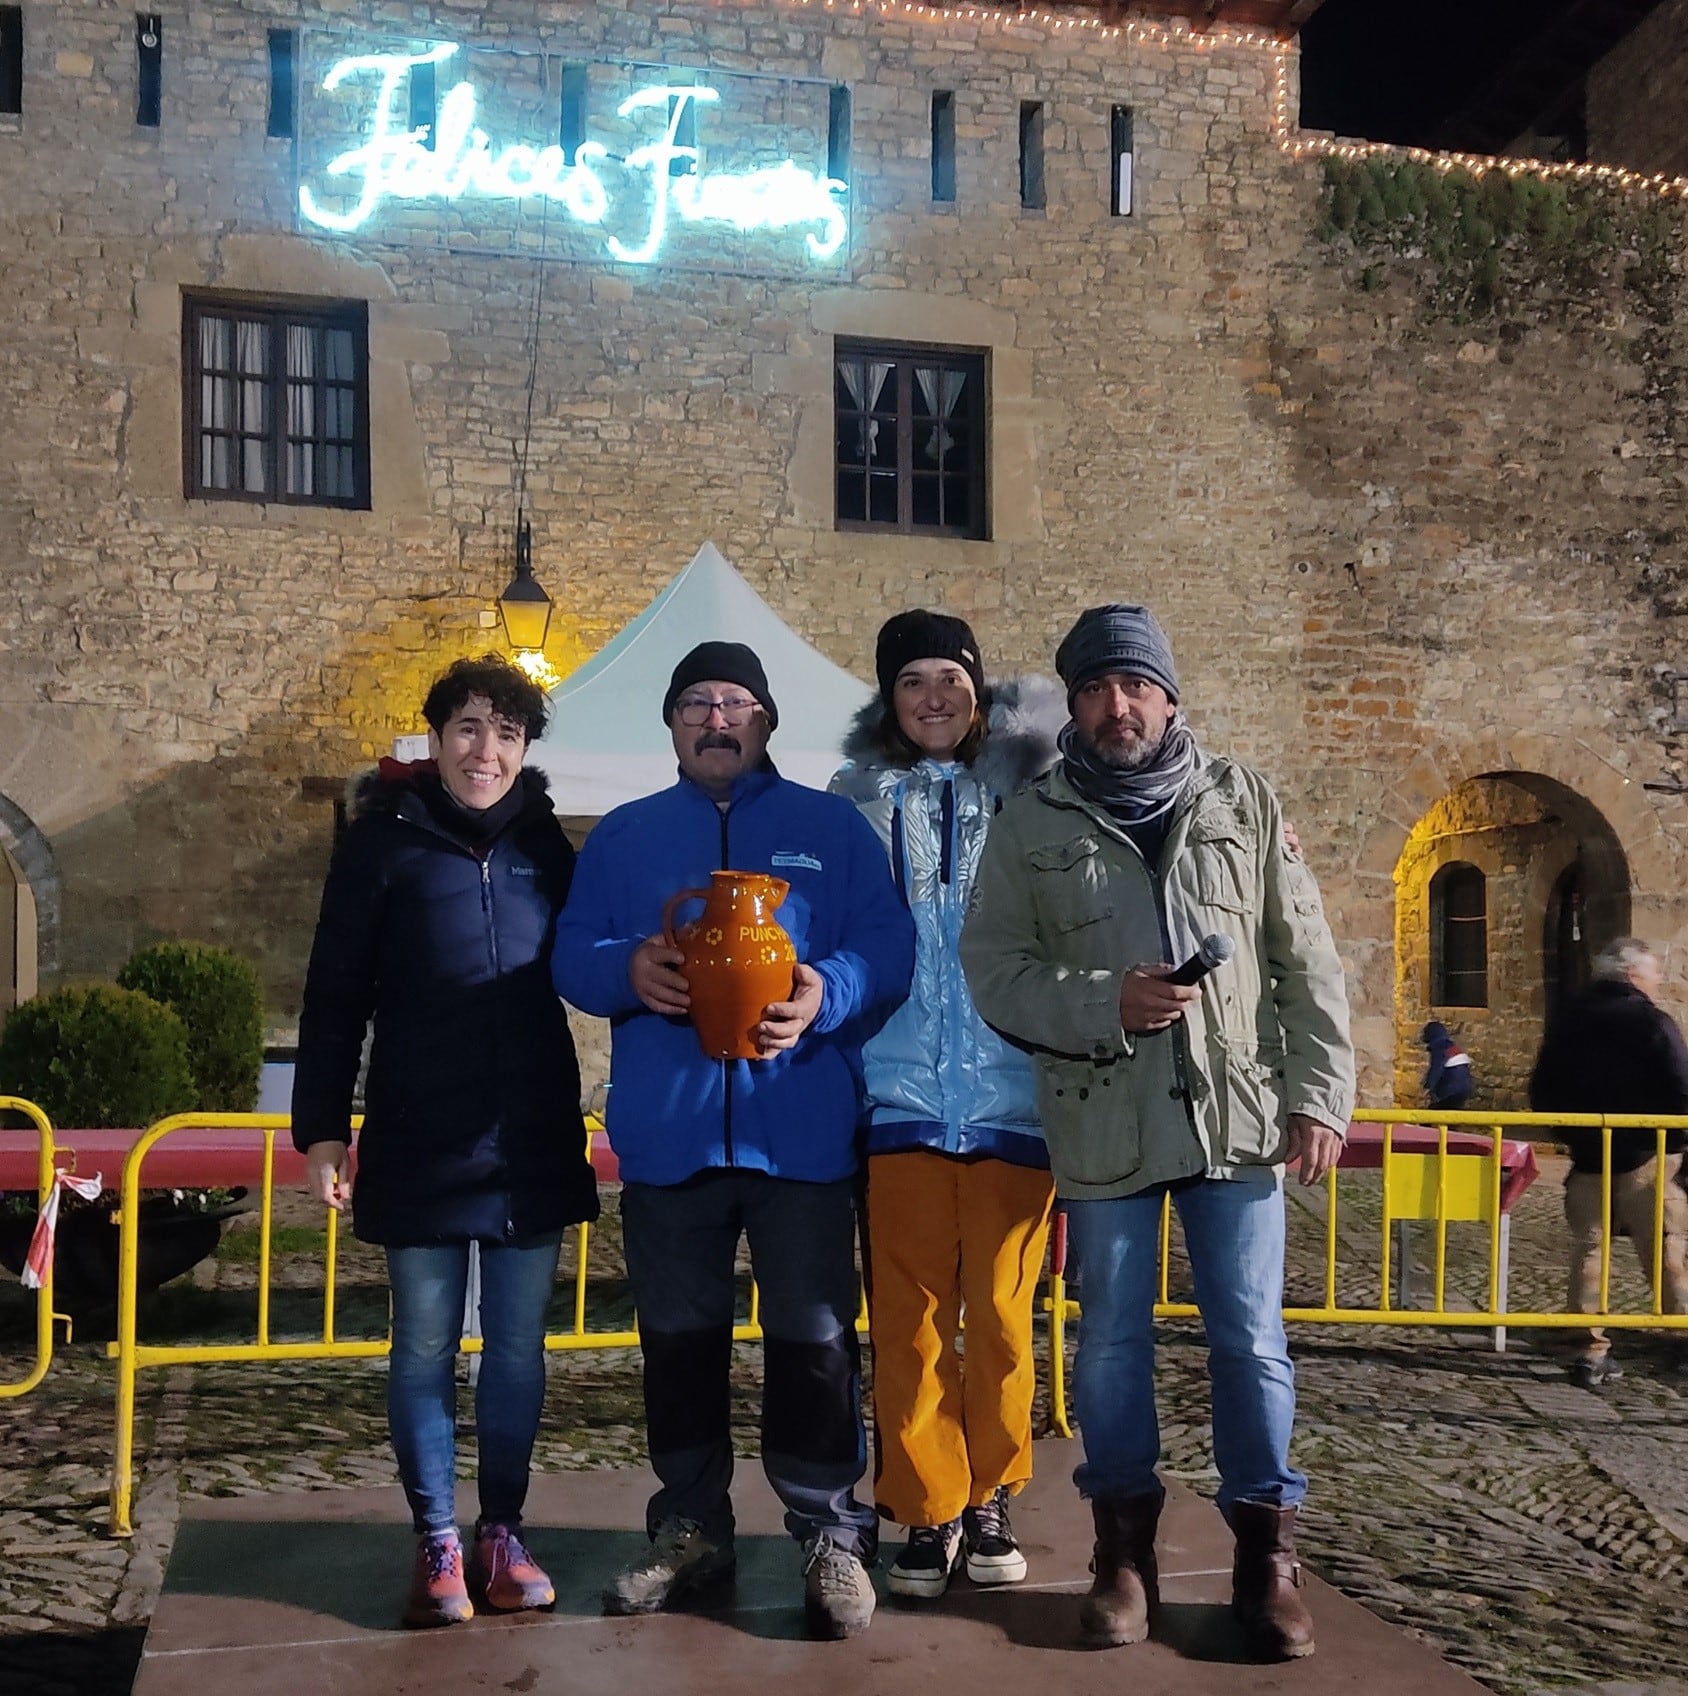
[
  {"x": 909, "y": 430},
  {"x": 276, "y": 401}
]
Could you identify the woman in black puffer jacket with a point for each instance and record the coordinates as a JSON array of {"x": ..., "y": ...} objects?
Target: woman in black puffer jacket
[{"x": 437, "y": 923}]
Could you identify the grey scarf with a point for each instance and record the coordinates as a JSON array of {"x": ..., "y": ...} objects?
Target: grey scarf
[{"x": 1139, "y": 795}]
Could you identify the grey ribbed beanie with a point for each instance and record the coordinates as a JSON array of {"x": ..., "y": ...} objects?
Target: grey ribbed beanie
[{"x": 1116, "y": 637}]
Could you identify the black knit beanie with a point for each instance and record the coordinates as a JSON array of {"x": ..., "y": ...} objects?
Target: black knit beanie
[
  {"x": 1119, "y": 638},
  {"x": 721, "y": 662},
  {"x": 922, "y": 635}
]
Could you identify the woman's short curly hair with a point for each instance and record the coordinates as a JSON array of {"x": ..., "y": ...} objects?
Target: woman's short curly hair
[{"x": 513, "y": 694}]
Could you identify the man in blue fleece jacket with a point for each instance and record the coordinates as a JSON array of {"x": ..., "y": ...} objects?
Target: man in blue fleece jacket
[{"x": 710, "y": 1149}]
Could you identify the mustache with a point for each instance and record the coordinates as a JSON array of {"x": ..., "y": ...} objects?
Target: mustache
[{"x": 718, "y": 739}]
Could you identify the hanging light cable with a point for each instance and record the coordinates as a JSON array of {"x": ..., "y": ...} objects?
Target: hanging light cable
[{"x": 524, "y": 606}]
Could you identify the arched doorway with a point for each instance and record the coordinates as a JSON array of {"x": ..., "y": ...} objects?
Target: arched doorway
[
  {"x": 19, "y": 945},
  {"x": 1505, "y": 890},
  {"x": 29, "y": 907}
]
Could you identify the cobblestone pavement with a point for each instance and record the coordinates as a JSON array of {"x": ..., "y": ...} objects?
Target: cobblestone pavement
[{"x": 1536, "y": 1533}]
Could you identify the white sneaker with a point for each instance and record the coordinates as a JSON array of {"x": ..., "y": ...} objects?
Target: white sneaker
[
  {"x": 929, "y": 1558},
  {"x": 993, "y": 1556}
]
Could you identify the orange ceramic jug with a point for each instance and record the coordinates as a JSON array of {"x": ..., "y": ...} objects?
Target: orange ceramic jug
[{"x": 738, "y": 958}]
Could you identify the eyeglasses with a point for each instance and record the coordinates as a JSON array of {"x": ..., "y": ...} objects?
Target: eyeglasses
[{"x": 694, "y": 710}]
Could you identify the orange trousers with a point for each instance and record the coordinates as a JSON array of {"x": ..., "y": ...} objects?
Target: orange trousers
[{"x": 946, "y": 1234}]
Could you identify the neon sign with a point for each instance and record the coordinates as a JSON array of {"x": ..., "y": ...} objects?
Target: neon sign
[{"x": 396, "y": 163}]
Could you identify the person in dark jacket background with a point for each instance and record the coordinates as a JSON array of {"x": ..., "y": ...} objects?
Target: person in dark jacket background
[
  {"x": 1447, "y": 1079},
  {"x": 1612, "y": 1050},
  {"x": 437, "y": 921}
]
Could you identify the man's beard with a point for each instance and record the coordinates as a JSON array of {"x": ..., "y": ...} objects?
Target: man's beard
[{"x": 1129, "y": 756}]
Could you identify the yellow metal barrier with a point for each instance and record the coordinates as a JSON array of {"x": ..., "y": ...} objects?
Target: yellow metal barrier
[
  {"x": 44, "y": 1314},
  {"x": 133, "y": 1356},
  {"x": 1443, "y": 1188}
]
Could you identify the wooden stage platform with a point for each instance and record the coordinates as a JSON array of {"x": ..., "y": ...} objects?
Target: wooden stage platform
[{"x": 272, "y": 1595}]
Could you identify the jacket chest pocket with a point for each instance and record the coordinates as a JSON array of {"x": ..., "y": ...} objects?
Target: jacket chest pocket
[
  {"x": 1070, "y": 882},
  {"x": 1222, "y": 854}
]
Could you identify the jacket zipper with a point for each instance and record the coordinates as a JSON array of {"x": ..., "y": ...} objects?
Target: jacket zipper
[
  {"x": 1179, "y": 1032},
  {"x": 726, "y": 1065},
  {"x": 490, "y": 918},
  {"x": 952, "y": 1009},
  {"x": 490, "y": 915}
]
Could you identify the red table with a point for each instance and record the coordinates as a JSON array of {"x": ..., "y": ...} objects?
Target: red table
[{"x": 185, "y": 1159}]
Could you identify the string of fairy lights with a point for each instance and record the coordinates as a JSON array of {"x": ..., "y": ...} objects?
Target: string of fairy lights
[{"x": 1175, "y": 33}]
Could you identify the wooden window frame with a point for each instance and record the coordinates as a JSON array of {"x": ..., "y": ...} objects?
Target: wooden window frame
[
  {"x": 280, "y": 314},
  {"x": 974, "y": 362},
  {"x": 1464, "y": 874}
]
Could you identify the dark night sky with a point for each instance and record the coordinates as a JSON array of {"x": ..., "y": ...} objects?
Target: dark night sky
[{"x": 1392, "y": 70}]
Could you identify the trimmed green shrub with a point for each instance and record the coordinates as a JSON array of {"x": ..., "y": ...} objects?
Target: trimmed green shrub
[
  {"x": 96, "y": 1056},
  {"x": 215, "y": 993}
]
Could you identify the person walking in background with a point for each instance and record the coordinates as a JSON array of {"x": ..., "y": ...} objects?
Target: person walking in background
[
  {"x": 1447, "y": 1079},
  {"x": 1612, "y": 1049},
  {"x": 437, "y": 923},
  {"x": 1093, "y": 882},
  {"x": 958, "y": 1186},
  {"x": 714, "y": 1149}
]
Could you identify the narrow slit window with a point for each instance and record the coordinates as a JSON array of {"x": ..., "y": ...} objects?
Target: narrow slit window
[
  {"x": 284, "y": 48},
  {"x": 571, "y": 126},
  {"x": 685, "y": 132},
  {"x": 424, "y": 102},
  {"x": 838, "y": 134},
  {"x": 11, "y": 61},
  {"x": 1031, "y": 155},
  {"x": 1459, "y": 937},
  {"x": 1120, "y": 150},
  {"x": 943, "y": 146},
  {"x": 149, "y": 68}
]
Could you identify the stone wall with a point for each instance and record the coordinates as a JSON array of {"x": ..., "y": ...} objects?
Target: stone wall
[
  {"x": 1634, "y": 98},
  {"x": 1394, "y": 553}
]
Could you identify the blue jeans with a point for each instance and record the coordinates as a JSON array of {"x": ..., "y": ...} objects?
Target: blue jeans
[
  {"x": 429, "y": 1285},
  {"x": 1234, "y": 1230}
]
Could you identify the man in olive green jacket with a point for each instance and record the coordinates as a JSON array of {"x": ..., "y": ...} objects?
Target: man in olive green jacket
[{"x": 1135, "y": 848}]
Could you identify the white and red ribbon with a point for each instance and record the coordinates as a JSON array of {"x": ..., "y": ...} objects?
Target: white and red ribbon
[{"x": 40, "y": 1255}]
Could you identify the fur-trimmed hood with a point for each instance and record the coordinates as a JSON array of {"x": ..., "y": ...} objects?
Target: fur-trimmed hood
[
  {"x": 1024, "y": 717},
  {"x": 377, "y": 793}
]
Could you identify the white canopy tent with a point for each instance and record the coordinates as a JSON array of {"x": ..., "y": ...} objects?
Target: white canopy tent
[{"x": 606, "y": 742}]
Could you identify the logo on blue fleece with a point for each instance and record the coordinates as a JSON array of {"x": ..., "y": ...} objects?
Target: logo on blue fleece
[{"x": 807, "y": 861}]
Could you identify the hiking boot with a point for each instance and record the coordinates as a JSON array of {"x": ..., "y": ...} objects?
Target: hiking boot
[
  {"x": 504, "y": 1575},
  {"x": 1124, "y": 1594},
  {"x": 438, "y": 1595},
  {"x": 679, "y": 1562},
  {"x": 1594, "y": 1374},
  {"x": 1266, "y": 1581},
  {"x": 993, "y": 1556},
  {"x": 838, "y": 1599},
  {"x": 930, "y": 1556}
]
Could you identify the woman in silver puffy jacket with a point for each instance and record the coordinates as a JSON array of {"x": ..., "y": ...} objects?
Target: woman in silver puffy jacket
[{"x": 958, "y": 1186}]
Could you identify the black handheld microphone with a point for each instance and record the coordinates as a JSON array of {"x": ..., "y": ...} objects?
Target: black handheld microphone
[{"x": 1214, "y": 951}]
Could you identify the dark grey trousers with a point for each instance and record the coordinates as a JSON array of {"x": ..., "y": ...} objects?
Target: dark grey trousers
[{"x": 681, "y": 1240}]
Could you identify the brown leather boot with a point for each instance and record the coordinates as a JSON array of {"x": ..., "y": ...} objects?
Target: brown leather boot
[
  {"x": 1265, "y": 1581},
  {"x": 1125, "y": 1592}
]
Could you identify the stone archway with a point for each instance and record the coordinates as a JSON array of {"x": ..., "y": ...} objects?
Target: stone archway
[
  {"x": 29, "y": 907},
  {"x": 1554, "y": 885},
  {"x": 1360, "y": 894}
]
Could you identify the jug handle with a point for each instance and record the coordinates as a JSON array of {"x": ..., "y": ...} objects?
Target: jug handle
[{"x": 674, "y": 901}]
